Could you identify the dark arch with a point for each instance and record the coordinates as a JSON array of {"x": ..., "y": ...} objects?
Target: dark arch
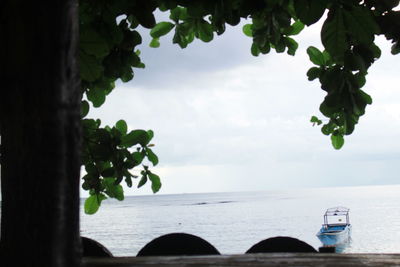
[
  {"x": 178, "y": 244},
  {"x": 92, "y": 248},
  {"x": 281, "y": 244}
]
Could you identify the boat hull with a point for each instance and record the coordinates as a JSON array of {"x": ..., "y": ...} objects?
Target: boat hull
[{"x": 332, "y": 236}]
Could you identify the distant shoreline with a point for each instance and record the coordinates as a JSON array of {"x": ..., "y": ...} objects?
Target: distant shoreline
[{"x": 256, "y": 191}]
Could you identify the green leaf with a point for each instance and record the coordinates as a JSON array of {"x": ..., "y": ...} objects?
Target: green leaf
[
  {"x": 247, "y": 30},
  {"x": 295, "y": 28},
  {"x": 337, "y": 141},
  {"x": 205, "y": 31},
  {"x": 151, "y": 156},
  {"x": 265, "y": 49},
  {"x": 327, "y": 57},
  {"x": 93, "y": 203},
  {"x": 128, "y": 181},
  {"x": 315, "y": 120},
  {"x": 255, "y": 51},
  {"x": 143, "y": 180},
  {"x": 97, "y": 96},
  {"x": 176, "y": 13},
  {"x": 155, "y": 182},
  {"x": 332, "y": 79},
  {"x": 144, "y": 14},
  {"x": 181, "y": 36},
  {"x": 326, "y": 110},
  {"x": 131, "y": 40},
  {"x": 89, "y": 124},
  {"x": 309, "y": 11},
  {"x": 326, "y": 129},
  {"x": 292, "y": 45},
  {"x": 161, "y": 28},
  {"x": 150, "y": 134},
  {"x": 333, "y": 35},
  {"x": 316, "y": 56},
  {"x": 313, "y": 73},
  {"x": 90, "y": 67},
  {"x": 102, "y": 136},
  {"x": 85, "y": 185},
  {"x": 351, "y": 120},
  {"x": 109, "y": 172},
  {"x": 127, "y": 75},
  {"x": 280, "y": 46},
  {"x": 135, "y": 137},
  {"x": 137, "y": 157},
  {"x": 112, "y": 189},
  {"x": 84, "y": 108},
  {"x": 121, "y": 126},
  {"x": 101, "y": 152},
  {"x": 91, "y": 169},
  {"x": 155, "y": 43},
  {"x": 92, "y": 43},
  {"x": 395, "y": 48},
  {"x": 360, "y": 24},
  {"x": 360, "y": 78},
  {"x": 366, "y": 97}
]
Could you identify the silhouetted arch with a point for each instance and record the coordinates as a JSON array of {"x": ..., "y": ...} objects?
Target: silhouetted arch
[
  {"x": 178, "y": 244},
  {"x": 92, "y": 248},
  {"x": 281, "y": 244}
]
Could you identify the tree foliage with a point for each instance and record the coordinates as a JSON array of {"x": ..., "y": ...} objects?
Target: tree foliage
[{"x": 109, "y": 37}]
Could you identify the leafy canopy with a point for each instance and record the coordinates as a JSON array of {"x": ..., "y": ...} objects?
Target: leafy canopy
[{"x": 109, "y": 37}]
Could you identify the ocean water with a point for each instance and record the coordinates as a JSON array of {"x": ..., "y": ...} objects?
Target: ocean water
[{"x": 233, "y": 222}]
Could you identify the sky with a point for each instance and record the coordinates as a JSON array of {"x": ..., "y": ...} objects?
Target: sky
[{"x": 225, "y": 120}]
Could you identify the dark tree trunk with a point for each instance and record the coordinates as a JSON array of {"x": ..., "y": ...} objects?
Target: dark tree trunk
[{"x": 40, "y": 133}]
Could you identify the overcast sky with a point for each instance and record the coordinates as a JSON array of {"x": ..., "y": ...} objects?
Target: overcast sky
[{"x": 227, "y": 121}]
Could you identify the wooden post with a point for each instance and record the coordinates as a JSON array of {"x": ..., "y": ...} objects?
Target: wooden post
[{"x": 40, "y": 133}]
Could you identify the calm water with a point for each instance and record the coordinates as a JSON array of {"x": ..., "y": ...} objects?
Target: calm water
[{"x": 233, "y": 222}]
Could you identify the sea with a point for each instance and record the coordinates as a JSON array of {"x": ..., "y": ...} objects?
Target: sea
[{"x": 233, "y": 222}]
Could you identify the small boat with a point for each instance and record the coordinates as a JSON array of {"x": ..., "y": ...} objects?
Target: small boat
[{"x": 336, "y": 229}]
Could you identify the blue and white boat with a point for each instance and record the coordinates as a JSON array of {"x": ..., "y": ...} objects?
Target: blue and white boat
[{"x": 336, "y": 229}]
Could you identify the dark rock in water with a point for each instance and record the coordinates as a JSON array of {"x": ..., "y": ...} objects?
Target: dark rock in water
[
  {"x": 208, "y": 203},
  {"x": 178, "y": 244},
  {"x": 201, "y": 203},
  {"x": 92, "y": 248},
  {"x": 281, "y": 244}
]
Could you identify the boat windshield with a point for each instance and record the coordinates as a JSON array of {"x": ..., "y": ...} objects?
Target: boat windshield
[
  {"x": 337, "y": 216},
  {"x": 336, "y": 219}
]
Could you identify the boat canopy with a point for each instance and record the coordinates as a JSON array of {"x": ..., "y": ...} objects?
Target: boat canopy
[
  {"x": 336, "y": 216},
  {"x": 337, "y": 211}
]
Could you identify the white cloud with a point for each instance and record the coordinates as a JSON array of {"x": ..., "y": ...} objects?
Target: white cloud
[{"x": 226, "y": 121}]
